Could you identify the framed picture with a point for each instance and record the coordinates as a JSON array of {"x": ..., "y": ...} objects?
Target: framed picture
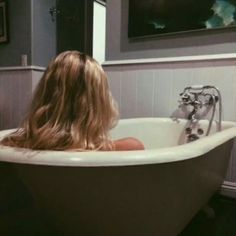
[
  {"x": 3, "y": 22},
  {"x": 161, "y": 17}
]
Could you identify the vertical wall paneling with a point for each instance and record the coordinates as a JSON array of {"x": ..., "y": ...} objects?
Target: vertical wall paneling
[
  {"x": 163, "y": 91},
  {"x": 128, "y": 94},
  {"x": 145, "y": 93},
  {"x": 36, "y": 76},
  {"x": 115, "y": 85},
  {"x": 16, "y": 88}
]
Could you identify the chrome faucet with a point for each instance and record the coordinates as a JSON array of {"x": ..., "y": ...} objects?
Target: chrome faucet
[
  {"x": 192, "y": 115},
  {"x": 196, "y": 97},
  {"x": 190, "y": 98}
]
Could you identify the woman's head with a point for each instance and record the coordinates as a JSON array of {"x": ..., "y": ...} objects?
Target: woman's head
[{"x": 72, "y": 106}]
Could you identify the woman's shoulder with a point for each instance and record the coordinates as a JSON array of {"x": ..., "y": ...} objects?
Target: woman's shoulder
[{"x": 127, "y": 144}]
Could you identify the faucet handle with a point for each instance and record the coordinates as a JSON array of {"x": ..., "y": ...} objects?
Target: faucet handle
[
  {"x": 197, "y": 103},
  {"x": 185, "y": 97}
]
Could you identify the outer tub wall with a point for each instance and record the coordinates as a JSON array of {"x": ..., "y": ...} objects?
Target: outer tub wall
[
  {"x": 154, "y": 199},
  {"x": 151, "y": 192}
]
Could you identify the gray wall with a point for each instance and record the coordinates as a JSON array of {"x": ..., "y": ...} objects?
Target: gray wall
[
  {"x": 19, "y": 33},
  {"x": 31, "y": 32},
  {"x": 119, "y": 47},
  {"x": 43, "y": 32}
]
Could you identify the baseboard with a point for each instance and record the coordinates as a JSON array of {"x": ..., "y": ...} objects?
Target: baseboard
[{"x": 228, "y": 189}]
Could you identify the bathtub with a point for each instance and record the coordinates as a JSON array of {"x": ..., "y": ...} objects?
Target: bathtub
[{"x": 151, "y": 192}]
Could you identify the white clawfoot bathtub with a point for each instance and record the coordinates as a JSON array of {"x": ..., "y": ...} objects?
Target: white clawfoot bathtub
[{"x": 152, "y": 192}]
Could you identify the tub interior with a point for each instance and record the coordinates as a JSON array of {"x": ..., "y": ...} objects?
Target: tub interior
[
  {"x": 161, "y": 133},
  {"x": 156, "y": 133}
]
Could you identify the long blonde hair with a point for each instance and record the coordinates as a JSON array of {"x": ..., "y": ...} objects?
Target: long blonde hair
[{"x": 72, "y": 108}]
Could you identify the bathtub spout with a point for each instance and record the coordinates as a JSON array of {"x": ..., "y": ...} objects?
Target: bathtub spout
[{"x": 192, "y": 115}]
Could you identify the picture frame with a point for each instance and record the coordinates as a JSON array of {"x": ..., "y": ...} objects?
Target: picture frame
[
  {"x": 148, "y": 18},
  {"x": 3, "y": 22}
]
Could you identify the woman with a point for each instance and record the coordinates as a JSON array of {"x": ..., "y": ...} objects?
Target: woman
[{"x": 72, "y": 109}]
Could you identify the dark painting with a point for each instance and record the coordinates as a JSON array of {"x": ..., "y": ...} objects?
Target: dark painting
[
  {"x": 3, "y": 22},
  {"x": 159, "y": 17}
]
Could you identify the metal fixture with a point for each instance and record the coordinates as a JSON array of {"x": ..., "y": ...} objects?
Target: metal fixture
[
  {"x": 197, "y": 97},
  {"x": 53, "y": 11}
]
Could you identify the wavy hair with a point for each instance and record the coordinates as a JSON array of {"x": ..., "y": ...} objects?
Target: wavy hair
[{"x": 72, "y": 108}]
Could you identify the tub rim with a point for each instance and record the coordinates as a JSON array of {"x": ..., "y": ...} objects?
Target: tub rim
[{"x": 119, "y": 158}]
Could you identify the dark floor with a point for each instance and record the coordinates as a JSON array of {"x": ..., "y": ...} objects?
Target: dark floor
[
  {"x": 218, "y": 220},
  {"x": 25, "y": 221},
  {"x": 19, "y": 217}
]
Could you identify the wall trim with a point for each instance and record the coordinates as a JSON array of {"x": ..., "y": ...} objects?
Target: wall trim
[
  {"x": 228, "y": 189},
  {"x": 15, "y": 68},
  {"x": 212, "y": 57}
]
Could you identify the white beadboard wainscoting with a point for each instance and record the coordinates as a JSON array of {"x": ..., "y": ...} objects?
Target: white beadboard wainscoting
[
  {"x": 16, "y": 87},
  {"x": 151, "y": 89}
]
